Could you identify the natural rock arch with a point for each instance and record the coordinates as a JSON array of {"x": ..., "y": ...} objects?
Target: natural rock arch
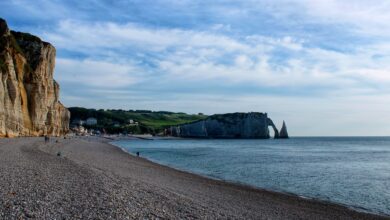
[{"x": 276, "y": 132}]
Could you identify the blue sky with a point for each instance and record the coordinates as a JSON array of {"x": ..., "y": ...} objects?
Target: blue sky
[{"x": 323, "y": 66}]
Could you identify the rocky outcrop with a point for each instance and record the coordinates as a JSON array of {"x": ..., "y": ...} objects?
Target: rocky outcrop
[
  {"x": 283, "y": 132},
  {"x": 29, "y": 97},
  {"x": 271, "y": 123},
  {"x": 234, "y": 125}
]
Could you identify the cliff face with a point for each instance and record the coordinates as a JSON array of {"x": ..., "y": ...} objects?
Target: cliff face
[
  {"x": 29, "y": 97},
  {"x": 236, "y": 125},
  {"x": 283, "y": 131}
]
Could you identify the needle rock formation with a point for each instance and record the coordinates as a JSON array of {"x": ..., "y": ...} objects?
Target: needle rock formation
[{"x": 283, "y": 132}]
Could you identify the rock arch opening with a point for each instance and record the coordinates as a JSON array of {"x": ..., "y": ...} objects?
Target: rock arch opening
[{"x": 276, "y": 132}]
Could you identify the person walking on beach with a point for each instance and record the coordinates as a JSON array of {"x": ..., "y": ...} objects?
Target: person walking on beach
[{"x": 46, "y": 139}]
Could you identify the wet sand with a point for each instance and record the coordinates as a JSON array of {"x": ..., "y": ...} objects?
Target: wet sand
[{"x": 92, "y": 179}]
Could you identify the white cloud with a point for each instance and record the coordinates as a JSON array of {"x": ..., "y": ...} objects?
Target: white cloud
[
  {"x": 367, "y": 17},
  {"x": 195, "y": 56},
  {"x": 92, "y": 73},
  {"x": 80, "y": 36}
]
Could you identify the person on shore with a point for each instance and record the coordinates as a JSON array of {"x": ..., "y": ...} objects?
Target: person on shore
[
  {"x": 137, "y": 154},
  {"x": 46, "y": 138}
]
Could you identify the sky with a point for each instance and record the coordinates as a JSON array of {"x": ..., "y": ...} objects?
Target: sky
[{"x": 323, "y": 66}]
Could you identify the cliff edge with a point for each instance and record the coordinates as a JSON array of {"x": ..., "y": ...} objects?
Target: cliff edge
[
  {"x": 29, "y": 97},
  {"x": 234, "y": 125}
]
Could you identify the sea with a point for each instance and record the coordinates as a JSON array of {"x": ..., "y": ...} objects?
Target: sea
[{"x": 352, "y": 171}]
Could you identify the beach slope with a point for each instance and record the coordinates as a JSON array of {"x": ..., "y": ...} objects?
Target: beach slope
[{"x": 86, "y": 178}]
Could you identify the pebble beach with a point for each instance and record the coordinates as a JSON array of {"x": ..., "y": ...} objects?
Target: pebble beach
[{"x": 87, "y": 178}]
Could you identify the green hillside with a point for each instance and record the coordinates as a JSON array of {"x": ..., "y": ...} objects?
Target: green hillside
[{"x": 115, "y": 121}]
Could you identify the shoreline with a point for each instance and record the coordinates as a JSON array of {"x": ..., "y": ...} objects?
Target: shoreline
[
  {"x": 248, "y": 186},
  {"x": 95, "y": 179}
]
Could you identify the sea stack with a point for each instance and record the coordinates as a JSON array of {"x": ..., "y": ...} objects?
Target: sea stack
[
  {"x": 283, "y": 132},
  {"x": 29, "y": 97}
]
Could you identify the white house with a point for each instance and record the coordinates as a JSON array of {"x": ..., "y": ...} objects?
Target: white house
[
  {"x": 91, "y": 121},
  {"x": 78, "y": 122},
  {"x": 133, "y": 123}
]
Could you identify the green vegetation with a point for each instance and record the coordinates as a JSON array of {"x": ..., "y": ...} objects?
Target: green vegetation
[
  {"x": 3, "y": 67},
  {"x": 15, "y": 45},
  {"x": 115, "y": 121},
  {"x": 25, "y": 37},
  {"x": 3, "y": 44},
  {"x": 226, "y": 118}
]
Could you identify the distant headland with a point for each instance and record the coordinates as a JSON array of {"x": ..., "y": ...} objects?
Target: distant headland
[
  {"x": 177, "y": 124},
  {"x": 232, "y": 125}
]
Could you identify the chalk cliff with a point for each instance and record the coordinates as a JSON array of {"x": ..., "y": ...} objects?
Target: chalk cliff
[
  {"x": 283, "y": 131},
  {"x": 29, "y": 97},
  {"x": 234, "y": 125}
]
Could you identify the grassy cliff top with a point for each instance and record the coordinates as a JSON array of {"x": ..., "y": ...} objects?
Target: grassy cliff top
[
  {"x": 155, "y": 120},
  {"x": 25, "y": 36}
]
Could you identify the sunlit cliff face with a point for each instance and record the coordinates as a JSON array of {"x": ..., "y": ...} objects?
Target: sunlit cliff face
[{"x": 29, "y": 104}]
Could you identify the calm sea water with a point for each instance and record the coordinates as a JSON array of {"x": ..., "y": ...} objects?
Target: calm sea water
[{"x": 353, "y": 171}]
